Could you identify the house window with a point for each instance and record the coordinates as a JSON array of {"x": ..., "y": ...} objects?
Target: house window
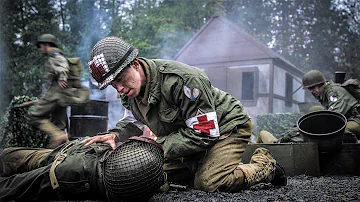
[
  {"x": 288, "y": 90},
  {"x": 248, "y": 86},
  {"x": 242, "y": 83}
]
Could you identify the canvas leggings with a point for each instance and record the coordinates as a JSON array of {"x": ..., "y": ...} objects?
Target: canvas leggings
[{"x": 216, "y": 170}]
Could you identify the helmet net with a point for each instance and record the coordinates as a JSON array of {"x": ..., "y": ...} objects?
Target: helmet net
[
  {"x": 108, "y": 58},
  {"x": 134, "y": 170}
]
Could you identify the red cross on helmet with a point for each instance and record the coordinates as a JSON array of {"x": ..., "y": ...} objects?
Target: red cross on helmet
[{"x": 108, "y": 58}]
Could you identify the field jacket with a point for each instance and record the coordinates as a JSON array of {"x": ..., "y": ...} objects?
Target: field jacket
[
  {"x": 338, "y": 99},
  {"x": 186, "y": 113}
]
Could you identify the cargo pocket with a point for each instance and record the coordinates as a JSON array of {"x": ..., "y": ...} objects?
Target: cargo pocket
[{"x": 169, "y": 115}]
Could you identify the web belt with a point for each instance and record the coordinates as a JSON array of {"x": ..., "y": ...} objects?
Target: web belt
[{"x": 60, "y": 157}]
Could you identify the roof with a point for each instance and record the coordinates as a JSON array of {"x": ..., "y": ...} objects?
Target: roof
[{"x": 220, "y": 40}]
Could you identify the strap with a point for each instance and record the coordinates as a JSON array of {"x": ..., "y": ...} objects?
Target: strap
[
  {"x": 60, "y": 157},
  {"x": 117, "y": 65},
  {"x": 146, "y": 139}
]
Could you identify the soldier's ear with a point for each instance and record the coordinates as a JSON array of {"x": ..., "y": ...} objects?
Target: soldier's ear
[{"x": 136, "y": 63}]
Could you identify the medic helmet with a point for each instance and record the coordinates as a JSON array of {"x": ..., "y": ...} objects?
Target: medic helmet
[{"x": 108, "y": 58}]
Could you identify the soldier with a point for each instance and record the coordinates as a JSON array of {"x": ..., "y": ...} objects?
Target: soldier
[
  {"x": 335, "y": 98},
  {"x": 49, "y": 113},
  {"x": 291, "y": 135},
  {"x": 203, "y": 130},
  {"x": 133, "y": 171}
]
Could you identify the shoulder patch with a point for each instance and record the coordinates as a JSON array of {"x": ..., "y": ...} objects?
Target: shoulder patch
[
  {"x": 333, "y": 98},
  {"x": 191, "y": 93}
]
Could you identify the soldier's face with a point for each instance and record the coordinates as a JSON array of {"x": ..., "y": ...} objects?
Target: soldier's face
[
  {"x": 43, "y": 48},
  {"x": 316, "y": 91},
  {"x": 130, "y": 80}
]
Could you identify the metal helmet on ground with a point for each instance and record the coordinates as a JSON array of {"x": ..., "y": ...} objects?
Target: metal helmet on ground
[
  {"x": 315, "y": 108},
  {"x": 46, "y": 38},
  {"x": 108, "y": 58},
  {"x": 313, "y": 78},
  {"x": 134, "y": 170}
]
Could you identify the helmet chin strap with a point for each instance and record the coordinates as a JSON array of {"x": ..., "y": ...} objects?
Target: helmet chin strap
[{"x": 118, "y": 64}]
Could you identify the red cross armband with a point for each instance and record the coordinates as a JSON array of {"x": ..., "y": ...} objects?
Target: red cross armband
[{"x": 205, "y": 123}]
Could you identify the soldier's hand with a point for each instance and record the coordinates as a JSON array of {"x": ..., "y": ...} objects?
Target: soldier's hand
[
  {"x": 62, "y": 83},
  {"x": 106, "y": 138}
]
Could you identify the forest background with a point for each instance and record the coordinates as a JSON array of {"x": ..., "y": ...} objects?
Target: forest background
[{"x": 311, "y": 34}]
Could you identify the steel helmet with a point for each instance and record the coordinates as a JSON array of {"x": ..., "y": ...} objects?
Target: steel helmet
[
  {"x": 46, "y": 38},
  {"x": 134, "y": 170},
  {"x": 315, "y": 108},
  {"x": 108, "y": 58},
  {"x": 313, "y": 78}
]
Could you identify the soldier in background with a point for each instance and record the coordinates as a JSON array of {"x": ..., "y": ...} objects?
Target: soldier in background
[
  {"x": 291, "y": 135},
  {"x": 49, "y": 112},
  {"x": 204, "y": 131},
  {"x": 335, "y": 97}
]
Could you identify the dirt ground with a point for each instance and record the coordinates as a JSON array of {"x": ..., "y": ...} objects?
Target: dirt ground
[{"x": 300, "y": 188}]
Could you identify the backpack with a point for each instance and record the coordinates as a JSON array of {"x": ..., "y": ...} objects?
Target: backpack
[
  {"x": 75, "y": 68},
  {"x": 353, "y": 87}
]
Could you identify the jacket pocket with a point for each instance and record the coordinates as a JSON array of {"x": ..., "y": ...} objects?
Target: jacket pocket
[{"x": 169, "y": 115}]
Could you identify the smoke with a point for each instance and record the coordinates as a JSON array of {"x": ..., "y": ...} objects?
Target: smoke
[{"x": 98, "y": 28}]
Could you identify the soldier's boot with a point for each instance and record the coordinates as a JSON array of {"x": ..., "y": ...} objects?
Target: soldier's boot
[
  {"x": 266, "y": 137},
  {"x": 263, "y": 168},
  {"x": 57, "y": 136}
]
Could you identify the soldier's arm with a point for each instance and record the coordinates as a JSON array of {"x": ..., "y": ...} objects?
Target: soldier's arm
[
  {"x": 127, "y": 127},
  {"x": 195, "y": 101},
  {"x": 340, "y": 100},
  {"x": 60, "y": 66}
]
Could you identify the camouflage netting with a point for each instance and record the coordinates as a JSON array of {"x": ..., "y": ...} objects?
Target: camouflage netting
[
  {"x": 14, "y": 129},
  {"x": 277, "y": 123}
]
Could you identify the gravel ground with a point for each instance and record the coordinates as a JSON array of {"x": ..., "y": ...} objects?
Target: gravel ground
[{"x": 299, "y": 188}]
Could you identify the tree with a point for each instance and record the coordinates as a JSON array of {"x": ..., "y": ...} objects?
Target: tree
[
  {"x": 317, "y": 34},
  {"x": 22, "y": 22},
  {"x": 160, "y": 28}
]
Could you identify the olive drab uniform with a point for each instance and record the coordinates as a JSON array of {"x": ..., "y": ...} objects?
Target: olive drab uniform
[
  {"x": 204, "y": 131},
  {"x": 133, "y": 170},
  {"x": 49, "y": 113},
  {"x": 25, "y": 173},
  {"x": 338, "y": 99}
]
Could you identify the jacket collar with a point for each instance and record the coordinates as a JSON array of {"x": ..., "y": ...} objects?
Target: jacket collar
[{"x": 154, "y": 86}]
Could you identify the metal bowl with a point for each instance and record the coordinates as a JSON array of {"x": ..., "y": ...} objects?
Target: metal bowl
[{"x": 323, "y": 127}]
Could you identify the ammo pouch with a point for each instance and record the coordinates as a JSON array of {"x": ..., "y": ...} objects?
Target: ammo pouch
[
  {"x": 74, "y": 73},
  {"x": 75, "y": 68}
]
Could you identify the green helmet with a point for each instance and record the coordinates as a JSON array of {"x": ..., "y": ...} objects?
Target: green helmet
[
  {"x": 315, "y": 108},
  {"x": 108, "y": 58},
  {"x": 46, "y": 38},
  {"x": 313, "y": 78}
]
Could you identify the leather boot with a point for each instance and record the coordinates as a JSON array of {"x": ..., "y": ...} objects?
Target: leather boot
[
  {"x": 263, "y": 168},
  {"x": 56, "y": 135}
]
